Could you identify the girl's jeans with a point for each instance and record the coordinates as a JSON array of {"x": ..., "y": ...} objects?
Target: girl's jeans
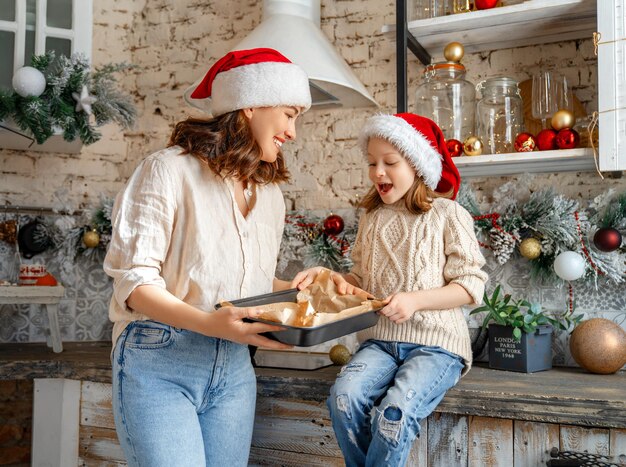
[
  {"x": 181, "y": 398},
  {"x": 380, "y": 397}
]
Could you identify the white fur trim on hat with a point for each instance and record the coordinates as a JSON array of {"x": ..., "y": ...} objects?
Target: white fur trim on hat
[
  {"x": 266, "y": 84},
  {"x": 415, "y": 147}
]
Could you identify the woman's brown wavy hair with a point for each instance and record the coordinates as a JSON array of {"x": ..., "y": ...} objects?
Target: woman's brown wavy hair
[
  {"x": 418, "y": 199},
  {"x": 226, "y": 145}
]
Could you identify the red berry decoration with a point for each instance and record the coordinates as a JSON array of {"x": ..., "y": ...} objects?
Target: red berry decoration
[
  {"x": 607, "y": 239},
  {"x": 525, "y": 142},
  {"x": 567, "y": 139},
  {"x": 546, "y": 140},
  {"x": 485, "y": 4},
  {"x": 333, "y": 225},
  {"x": 455, "y": 147}
]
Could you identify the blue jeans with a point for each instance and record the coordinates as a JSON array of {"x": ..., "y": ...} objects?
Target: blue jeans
[
  {"x": 181, "y": 398},
  {"x": 381, "y": 396}
]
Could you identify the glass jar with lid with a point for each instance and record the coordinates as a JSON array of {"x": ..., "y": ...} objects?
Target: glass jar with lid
[
  {"x": 499, "y": 115},
  {"x": 448, "y": 98}
]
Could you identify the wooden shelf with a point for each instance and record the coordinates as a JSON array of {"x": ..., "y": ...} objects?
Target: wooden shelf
[
  {"x": 12, "y": 137},
  {"x": 528, "y": 23},
  {"x": 574, "y": 160}
]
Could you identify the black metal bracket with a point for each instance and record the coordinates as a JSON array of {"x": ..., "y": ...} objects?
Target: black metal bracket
[{"x": 405, "y": 40}]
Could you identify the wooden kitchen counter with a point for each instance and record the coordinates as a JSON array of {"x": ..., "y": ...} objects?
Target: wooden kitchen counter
[{"x": 560, "y": 395}]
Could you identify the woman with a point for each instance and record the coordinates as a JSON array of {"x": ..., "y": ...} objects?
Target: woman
[{"x": 198, "y": 223}]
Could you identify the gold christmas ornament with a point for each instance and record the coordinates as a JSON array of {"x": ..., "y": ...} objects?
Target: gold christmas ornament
[
  {"x": 454, "y": 52},
  {"x": 339, "y": 354},
  {"x": 473, "y": 146},
  {"x": 530, "y": 248},
  {"x": 599, "y": 346},
  {"x": 91, "y": 239},
  {"x": 563, "y": 119}
]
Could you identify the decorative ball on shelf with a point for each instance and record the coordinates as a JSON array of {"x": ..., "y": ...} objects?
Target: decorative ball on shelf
[
  {"x": 455, "y": 147},
  {"x": 339, "y": 354},
  {"x": 546, "y": 140},
  {"x": 607, "y": 239},
  {"x": 563, "y": 119},
  {"x": 525, "y": 142},
  {"x": 91, "y": 238},
  {"x": 333, "y": 225},
  {"x": 485, "y": 4},
  {"x": 569, "y": 266},
  {"x": 473, "y": 146},
  {"x": 29, "y": 82},
  {"x": 530, "y": 248},
  {"x": 567, "y": 139},
  {"x": 47, "y": 280},
  {"x": 599, "y": 346},
  {"x": 454, "y": 51}
]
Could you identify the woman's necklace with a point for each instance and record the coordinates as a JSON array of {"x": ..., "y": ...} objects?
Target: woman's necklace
[{"x": 247, "y": 194}]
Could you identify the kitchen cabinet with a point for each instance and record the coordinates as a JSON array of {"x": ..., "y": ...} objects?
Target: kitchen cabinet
[{"x": 528, "y": 23}]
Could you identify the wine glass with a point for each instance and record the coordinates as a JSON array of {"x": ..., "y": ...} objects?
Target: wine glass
[{"x": 545, "y": 96}]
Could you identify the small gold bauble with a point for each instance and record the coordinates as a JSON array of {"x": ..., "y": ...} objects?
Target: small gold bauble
[
  {"x": 530, "y": 248},
  {"x": 454, "y": 52},
  {"x": 563, "y": 119},
  {"x": 339, "y": 354},
  {"x": 473, "y": 146},
  {"x": 91, "y": 239},
  {"x": 599, "y": 346}
]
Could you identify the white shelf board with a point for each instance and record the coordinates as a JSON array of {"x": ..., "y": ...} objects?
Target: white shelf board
[
  {"x": 528, "y": 23},
  {"x": 17, "y": 140},
  {"x": 563, "y": 160}
]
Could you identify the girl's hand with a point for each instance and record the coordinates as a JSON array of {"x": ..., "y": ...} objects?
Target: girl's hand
[
  {"x": 400, "y": 307},
  {"x": 346, "y": 288},
  {"x": 305, "y": 278},
  {"x": 231, "y": 326}
]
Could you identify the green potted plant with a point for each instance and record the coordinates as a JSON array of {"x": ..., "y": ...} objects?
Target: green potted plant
[{"x": 520, "y": 333}]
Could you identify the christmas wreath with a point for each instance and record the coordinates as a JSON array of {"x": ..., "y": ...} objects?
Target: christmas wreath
[{"x": 60, "y": 94}]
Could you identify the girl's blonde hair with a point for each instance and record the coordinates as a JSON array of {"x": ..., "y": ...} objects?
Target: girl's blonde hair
[{"x": 418, "y": 199}]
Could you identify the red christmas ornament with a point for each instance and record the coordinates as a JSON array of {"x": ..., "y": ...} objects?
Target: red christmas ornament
[
  {"x": 546, "y": 140},
  {"x": 607, "y": 239},
  {"x": 455, "y": 147},
  {"x": 567, "y": 139},
  {"x": 485, "y": 4},
  {"x": 333, "y": 225},
  {"x": 525, "y": 142}
]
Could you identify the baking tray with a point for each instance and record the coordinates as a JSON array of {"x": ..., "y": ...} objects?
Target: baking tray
[{"x": 306, "y": 337}]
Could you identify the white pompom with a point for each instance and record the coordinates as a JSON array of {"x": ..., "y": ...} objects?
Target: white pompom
[
  {"x": 569, "y": 266},
  {"x": 29, "y": 81}
]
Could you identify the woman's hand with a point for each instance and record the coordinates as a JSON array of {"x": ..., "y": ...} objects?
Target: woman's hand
[
  {"x": 400, "y": 307},
  {"x": 230, "y": 325},
  {"x": 305, "y": 278}
]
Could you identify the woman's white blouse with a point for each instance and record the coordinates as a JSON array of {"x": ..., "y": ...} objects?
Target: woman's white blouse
[{"x": 176, "y": 225}]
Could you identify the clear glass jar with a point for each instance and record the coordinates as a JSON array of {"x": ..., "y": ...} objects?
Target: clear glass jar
[
  {"x": 425, "y": 9},
  {"x": 499, "y": 115},
  {"x": 448, "y": 98}
]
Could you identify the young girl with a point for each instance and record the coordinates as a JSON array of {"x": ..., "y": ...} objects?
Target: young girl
[
  {"x": 416, "y": 247},
  {"x": 200, "y": 222}
]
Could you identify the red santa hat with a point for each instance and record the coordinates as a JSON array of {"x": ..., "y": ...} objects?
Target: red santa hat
[
  {"x": 252, "y": 78},
  {"x": 421, "y": 142}
]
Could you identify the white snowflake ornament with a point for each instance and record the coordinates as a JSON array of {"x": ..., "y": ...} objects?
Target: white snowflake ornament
[{"x": 83, "y": 100}]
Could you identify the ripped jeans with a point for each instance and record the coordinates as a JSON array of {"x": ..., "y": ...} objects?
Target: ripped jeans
[{"x": 381, "y": 396}]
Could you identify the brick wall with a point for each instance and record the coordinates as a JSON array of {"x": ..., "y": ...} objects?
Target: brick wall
[{"x": 173, "y": 43}]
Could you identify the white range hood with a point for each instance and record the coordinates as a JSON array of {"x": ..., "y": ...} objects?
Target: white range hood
[{"x": 293, "y": 28}]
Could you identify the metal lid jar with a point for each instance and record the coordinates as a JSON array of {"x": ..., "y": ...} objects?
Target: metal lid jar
[
  {"x": 448, "y": 98},
  {"x": 499, "y": 115}
]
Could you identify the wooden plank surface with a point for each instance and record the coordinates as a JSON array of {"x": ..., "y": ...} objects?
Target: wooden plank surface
[
  {"x": 96, "y": 408},
  {"x": 561, "y": 395},
  {"x": 419, "y": 450},
  {"x": 448, "y": 436},
  {"x": 617, "y": 444},
  {"x": 99, "y": 444},
  {"x": 490, "y": 442},
  {"x": 581, "y": 439},
  {"x": 260, "y": 456},
  {"x": 532, "y": 442}
]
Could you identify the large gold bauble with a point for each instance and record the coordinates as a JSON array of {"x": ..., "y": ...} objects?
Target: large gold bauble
[
  {"x": 339, "y": 354},
  {"x": 454, "y": 52},
  {"x": 91, "y": 239},
  {"x": 599, "y": 346},
  {"x": 530, "y": 248},
  {"x": 563, "y": 119},
  {"x": 473, "y": 146}
]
